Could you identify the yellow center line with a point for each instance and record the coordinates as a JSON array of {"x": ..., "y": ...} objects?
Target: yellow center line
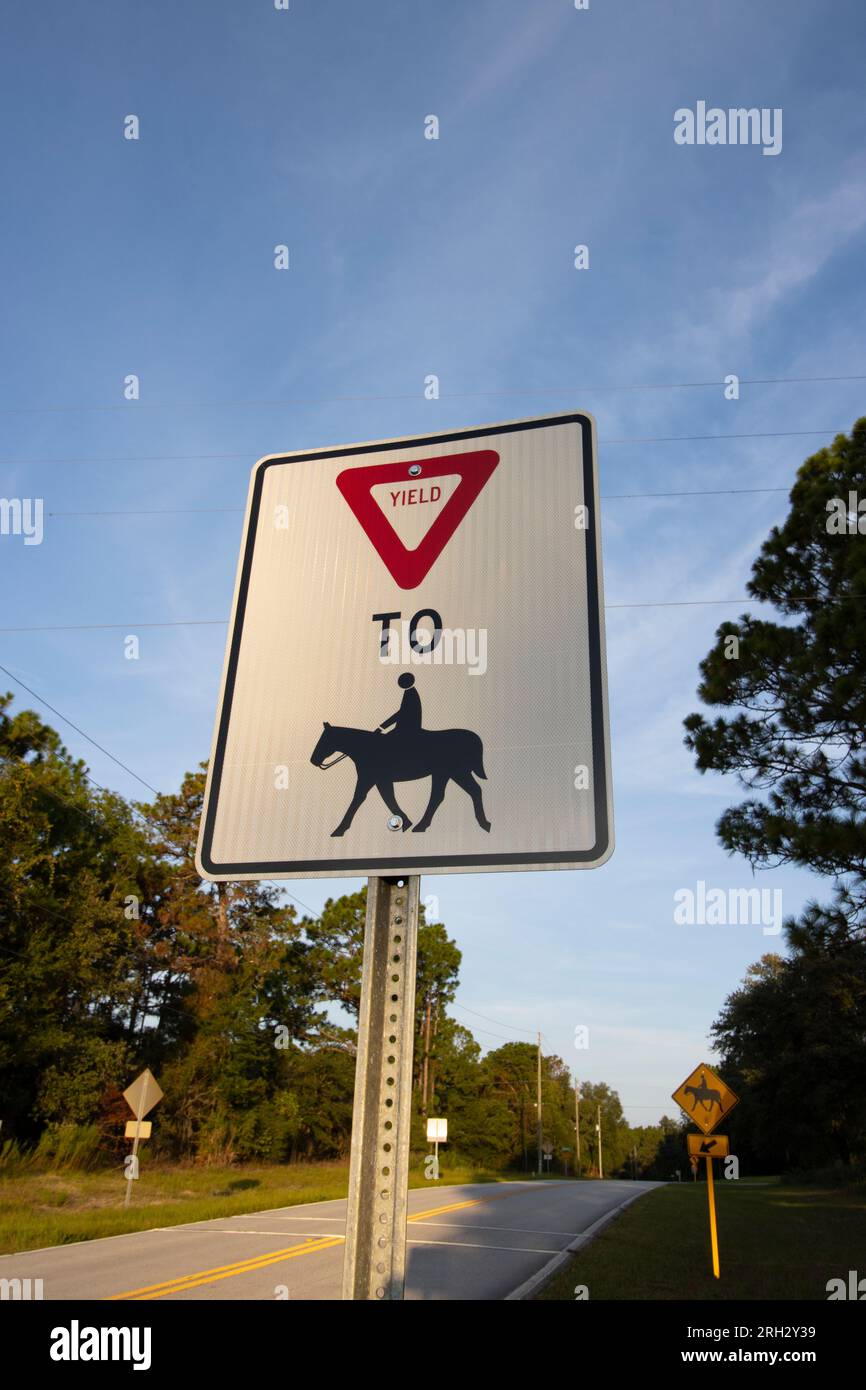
[
  {"x": 261, "y": 1261},
  {"x": 210, "y": 1276},
  {"x": 453, "y": 1206}
]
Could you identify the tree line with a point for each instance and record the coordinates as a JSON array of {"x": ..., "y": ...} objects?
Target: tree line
[{"x": 116, "y": 955}]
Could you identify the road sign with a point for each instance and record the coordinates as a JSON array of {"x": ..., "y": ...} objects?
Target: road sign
[
  {"x": 547, "y": 1151},
  {"x": 437, "y": 1131},
  {"x": 138, "y": 1129},
  {"x": 705, "y": 1098},
  {"x": 708, "y": 1145},
  {"x": 143, "y": 1094},
  {"x": 415, "y": 678}
]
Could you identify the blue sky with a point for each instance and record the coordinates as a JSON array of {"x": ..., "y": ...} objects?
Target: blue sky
[{"x": 411, "y": 257}]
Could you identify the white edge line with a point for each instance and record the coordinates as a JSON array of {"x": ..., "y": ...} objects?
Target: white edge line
[
  {"x": 535, "y": 1281},
  {"x": 466, "y": 1245}
]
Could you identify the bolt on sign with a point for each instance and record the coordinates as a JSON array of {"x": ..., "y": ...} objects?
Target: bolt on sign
[
  {"x": 705, "y": 1098},
  {"x": 708, "y": 1146},
  {"x": 414, "y": 678}
]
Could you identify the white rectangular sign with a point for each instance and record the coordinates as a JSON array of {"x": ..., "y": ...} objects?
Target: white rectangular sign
[
  {"x": 138, "y": 1129},
  {"x": 437, "y": 1131},
  {"x": 414, "y": 680}
]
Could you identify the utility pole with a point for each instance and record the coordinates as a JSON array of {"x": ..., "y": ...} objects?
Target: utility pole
[
  {"x": 598, "y": 1131},
  {"x": 538, "y": 1105},
  {"x": 577, "y": 1126},
  {"x": 426, "y": 1061}
]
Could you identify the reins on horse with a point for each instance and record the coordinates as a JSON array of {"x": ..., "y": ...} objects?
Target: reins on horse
[{"x": 324, "y": 766}]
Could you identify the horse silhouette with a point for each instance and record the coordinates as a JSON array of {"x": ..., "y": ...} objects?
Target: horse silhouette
[
  {"x": 708, "y": 1096},
  {"x": 445, "y": 755}
]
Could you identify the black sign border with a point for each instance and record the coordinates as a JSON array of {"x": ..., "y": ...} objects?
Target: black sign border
[{"x": 443, "y": 863}]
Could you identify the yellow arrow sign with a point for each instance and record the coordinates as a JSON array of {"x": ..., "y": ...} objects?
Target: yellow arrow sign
[
  {"x": 705, "y": 1098},
  {"x": 708, "y": 1146}
]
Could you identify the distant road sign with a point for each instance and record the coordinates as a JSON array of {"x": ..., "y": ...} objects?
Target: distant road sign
[
  {"x": 138, "y": 1129},
  {"x": 708, "y": 1146},
  {"x": 143, "y": 1094},
  {"x": 437, "y": 1131},
  {"x": 705, "y": 1098},
  {"x": 459, "y": 576}
]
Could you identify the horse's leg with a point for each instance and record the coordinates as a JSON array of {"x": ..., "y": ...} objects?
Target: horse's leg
[
  {"x": 362, "y": 786},
  {"x": 386, "y": 791},
  {"x": 469, "y": 785},
  {"x": 437, "y": 791}
]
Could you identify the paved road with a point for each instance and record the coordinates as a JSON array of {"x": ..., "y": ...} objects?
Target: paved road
[{"x": 479, "y": 1241}]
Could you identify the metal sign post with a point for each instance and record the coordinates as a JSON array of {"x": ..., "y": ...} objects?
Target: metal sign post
[
  {"x": 714, "y": 1235},
  {"x": 461, "y": 574},
  {"x": 133, "y": 1166},
  {"x": 374, "y": 1264},
  {"x": 144, "y": 1093}
]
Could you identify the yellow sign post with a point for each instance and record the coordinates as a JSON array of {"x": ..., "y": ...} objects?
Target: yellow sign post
[
  {"x": 707, "y": 1100},
  {"x": 714, "y": 1235}
]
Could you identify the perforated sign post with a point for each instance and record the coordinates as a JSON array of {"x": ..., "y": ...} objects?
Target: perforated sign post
[{"x": 414, "y": 683}]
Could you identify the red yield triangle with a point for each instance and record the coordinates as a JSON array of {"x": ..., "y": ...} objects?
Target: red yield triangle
[{"x": 409, "y": 567}]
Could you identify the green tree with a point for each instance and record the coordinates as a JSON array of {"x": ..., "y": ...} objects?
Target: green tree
[
  {"x": 231, "y": 993},
  {"x": 72, "y": 857},
  {"x": 793, "y": 1044},
  {"x": 799, "y": 688},
  {"x": 598, "y": 1097}
]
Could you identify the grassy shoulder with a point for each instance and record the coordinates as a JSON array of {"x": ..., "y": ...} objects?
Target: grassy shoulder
[
  {"x": 51, "y": 1207},
  {"x": 775, "y": 1242}
]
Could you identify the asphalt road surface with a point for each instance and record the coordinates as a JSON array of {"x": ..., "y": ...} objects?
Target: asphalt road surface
[{"x": 478, "y": 1241}]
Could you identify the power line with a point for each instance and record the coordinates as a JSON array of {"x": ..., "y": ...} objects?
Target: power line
[
  {"x": 512, "y": 1026},
  {"x": 259, "y": 453},
  {"x": 100, "y": 627},
  {"x": 605, "y": 497},
  {"x": 415, "y": 395},
  {"x": 151, "y": 511},
  {"x": 701, "y": 492},
  {"x": 503, "y": 1037},
  {"x": 78, "y": 730},
  {"x": 223, "y": 622}
]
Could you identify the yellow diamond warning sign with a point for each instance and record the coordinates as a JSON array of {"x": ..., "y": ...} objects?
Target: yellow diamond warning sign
[{"x": 705, "y": 1098}]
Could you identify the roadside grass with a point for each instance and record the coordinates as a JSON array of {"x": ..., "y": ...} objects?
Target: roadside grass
[
  {"x": 42, "y": 1207},
  {"x": 775, "y": 1242}
]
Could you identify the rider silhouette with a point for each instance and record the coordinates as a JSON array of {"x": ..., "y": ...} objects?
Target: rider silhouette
[{"x": 407, "y": 720}]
